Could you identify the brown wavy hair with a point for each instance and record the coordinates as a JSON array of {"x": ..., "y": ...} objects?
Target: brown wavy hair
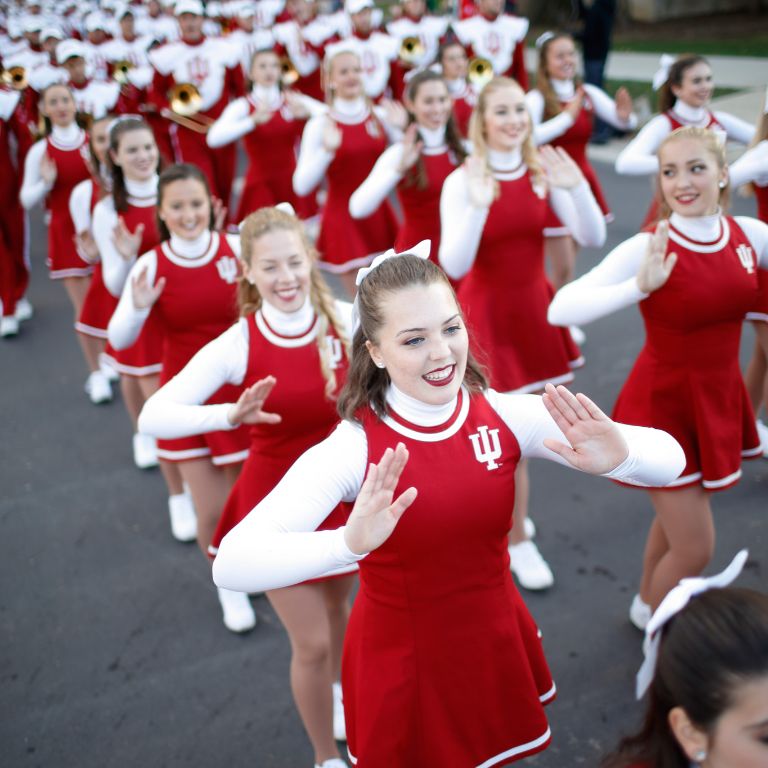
[
  {"x": 118, "y": 130},
  {"x": 366, "y": 383},
  {"x": 682, "y": 64},
  {"x": 552, "y": 105}
]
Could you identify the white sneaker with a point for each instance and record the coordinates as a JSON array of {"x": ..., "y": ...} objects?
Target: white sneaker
[
  {"x": 578, "y": 336},
  {"x": 24, "y": 309},
  {"x": 9, "y": 325},
  {"x": 762, "y": 432},
  {"x": 111, "y": 374},
  {"x": 640, "y": 613},
  {"x": 334, "y": 762},
  {"x": 98, "y": 388},
  {"x": 183, "y": 517},
  {"x": 529, "y": 566},
  {"x": 339, "y": 726},
  {"x": 237, "y": 610},
  {"x": 530, "y": 528},
  {"x": 144, "y": 451}
]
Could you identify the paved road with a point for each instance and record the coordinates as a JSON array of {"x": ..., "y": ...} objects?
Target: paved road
[{"x": 112, "y": 653}]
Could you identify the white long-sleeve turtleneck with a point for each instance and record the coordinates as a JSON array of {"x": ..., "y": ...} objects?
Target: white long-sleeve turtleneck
[
  {"x": 612, "y": 284},
  {"x": 127, "y": 321},
  {"x": 752, "y": 166},
  {"x": 34, "y": 187},
  {"x": 235, "y": 121},
  {"x": 386, "y": 173},
  {"x": 277, "y": 544},
  {"x": 462, "y": 223},
  {"x": 141, "y": 193},
  {"x": 638, "y": 158},
  {"x": 548, "y": 130},
  {"x": 176, "y": 409}
]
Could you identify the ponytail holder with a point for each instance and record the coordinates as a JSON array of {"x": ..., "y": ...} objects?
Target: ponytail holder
[
  {"x": 671, "y": 605},
  {"x": 662, "y": 73},
  {"x": 421, "y": 250},
  {"x": 542, "y": 38}
]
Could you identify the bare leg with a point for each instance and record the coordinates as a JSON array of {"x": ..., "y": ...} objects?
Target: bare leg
[
  {"x": 755, "y": 376},
  {"x": 77, "y": 288},
  {"x": 348, "y": 283},
  {"x": 92, "y": 347},
  {"x": 303, "y": 612},
  {"x": 522, "y": 493},
  {"x": 336, "y": 593},
  {"x": 560, "y": 253},
  {"x": 685, "y": 516},
  {"x": 761, "y": 330},
  {"x": 656, "y": 546},
  {"x": 133, "y": 397}
]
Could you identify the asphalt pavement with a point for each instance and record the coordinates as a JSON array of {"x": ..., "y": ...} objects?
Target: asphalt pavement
[{"x": 112, "y": 650}]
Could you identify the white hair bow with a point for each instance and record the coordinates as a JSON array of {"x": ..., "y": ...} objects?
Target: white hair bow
[
  {"x": 421, "y": 250},
  {"x": 662, "y": 73},
  {"x": 671, "y": 605},
  {"x": 542, "y": 38},
  {"x": 284, "y": 207}
]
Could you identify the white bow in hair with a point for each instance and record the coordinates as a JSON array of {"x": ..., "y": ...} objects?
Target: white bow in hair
[
  {"x": 671, "y": 605},
  {"x": 284, "y": 207},
  {"x": 662, "y": 73},
  {"x": 543, "y": 37}
]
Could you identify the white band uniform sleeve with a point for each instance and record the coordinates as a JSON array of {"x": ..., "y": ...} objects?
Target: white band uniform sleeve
[
  {"x": 34, "y": 188},
  {"x": 752, "y": 166},
  {"x": 233, "y": 124},
  {"x": 127, "y": 321},
  {"x": 115, "y": 268},
  {"x": 314, "y": 158},
  {"x": 578, "y": 210},
  {"x": 383, "y": 178},
  {"x": 638, "y": 158}
]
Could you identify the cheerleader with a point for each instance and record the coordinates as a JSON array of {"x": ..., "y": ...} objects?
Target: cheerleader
[
  {"x": 54, "y": 166},
  {"x": 342, "y": 147},
  {"x": 454, "y": 65},
  {"x": 685, "y": 88},
  {"x": 270, "y": 121},
  {"x": 124, "y": 226},
  {"x": 499, "y": 197},
  {"x": 442, "y": 665},
  {"x": 98, "y": 304},
  {"x": 417, "y": 166},
  {"x": 293, "y": 332},
  {"x": 686, "y": 379},
  {"x": 187, "y": 286},
  {"x": 563, "y": 111}
]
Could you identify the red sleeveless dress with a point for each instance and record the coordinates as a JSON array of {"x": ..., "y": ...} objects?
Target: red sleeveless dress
[
  {"x": 346, "y": 243},
  {"x": 506, "y": 295},
  {"x": 198, "y": 304},
  {"x": 421, "y": 207},
  {"x": 686, "y": 379},
  {"x": 443, "y": 664},
  {"x": 299, "y": 397}
]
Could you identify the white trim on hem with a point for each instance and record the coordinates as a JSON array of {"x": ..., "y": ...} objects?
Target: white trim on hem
[
  {"x": 131, "y": 370},
  {"x": 549, "y": 695},
  {"x": 723, "y": 481},
  {"x": 347, "y": 266},
  {"x": 517, "y": 750},
  {"x": 190, "y": 453},
  {"x": 750, "y": 452},
  {"x": 760, "y": 317},
  {"x": 90, "y": 330},
  {"x": 62, "y": 274},
  {"x": 229, "y": 458}
]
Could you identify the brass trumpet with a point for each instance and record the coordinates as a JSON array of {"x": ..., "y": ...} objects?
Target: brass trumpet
[
  {"x": 480, "y": 72},
  {"x": 185, "y": 101},
  {"x": 120, "y": 71},
  {"x": 15, "y": 77},
  {"x": 411, "y": 51},
  {"x": 288, "y": 72}
]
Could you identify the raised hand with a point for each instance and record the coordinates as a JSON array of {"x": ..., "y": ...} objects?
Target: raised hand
[
  {"x": 656, "y": 266},
  {"x": 395, "y": 114},
  {"x": 375, "y": 515},
  {"x": 331, "y": 136},
  {"x": 86, "y": 246},
  {"x": 574, "y": 106},
  {"x": 296, "y": 104},
  {"x": 261, "y": 115},
  {"x": 481, "y": 186},
  {"x": 48, "y": 170},
  {"x": 219, "y": 213},
  {"x": 623, "y": 104},
  {"x": 412, "y": 147},
  {"x": 248, "y": 408},
  {"x": 560, "y": 168},
  {"x": 144, "y": 294},
  {"x": 596, "y": 444},
  {"x": 127, "y": 243}
]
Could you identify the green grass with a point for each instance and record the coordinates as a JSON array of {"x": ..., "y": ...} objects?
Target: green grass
[
  {"x": 750, "y": 46},
  {"x": 638, "y": 88}
]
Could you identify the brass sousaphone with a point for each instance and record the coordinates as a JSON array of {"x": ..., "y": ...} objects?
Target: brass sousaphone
[
  {"x": 411, "y": 51},
  {"x": 185, "y": 102},
  {"x": 480, "y": 73},
  {"x": 15, "y": 77}
]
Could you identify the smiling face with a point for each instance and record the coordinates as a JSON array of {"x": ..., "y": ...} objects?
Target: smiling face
[
  {"x": 422, "y": 342},
  {"x": 346, "y": 76},
  {"x": 561, "y": 59},
  {"x": 280, "y": 269},
  {"x": 265, "y": 69},
  {"x": 432, "y": 104},
  {"x": 506, "y": 121},
  {"x": 185, "y": 208},
  {"x": 137, "y": 154},
  {"x": 689, "y": 175},
  {"x": 696, "y": 86}
]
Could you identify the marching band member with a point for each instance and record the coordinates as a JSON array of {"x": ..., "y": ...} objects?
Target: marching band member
[
  {"x": 415, "y": 22},
  {"x": 94, "y": 98},
  {"x": 453, "y": 61}
]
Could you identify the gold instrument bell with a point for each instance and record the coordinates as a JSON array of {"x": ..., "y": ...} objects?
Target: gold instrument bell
[
  {"x": 411, "y": 51},
  {"x": 185, "y": 99},
  {"x": 120, "y": 71},
  {"x": 480, "y": 72},
  {"x": 288, "y": 72},
  {"x": 15, "y": 77}
]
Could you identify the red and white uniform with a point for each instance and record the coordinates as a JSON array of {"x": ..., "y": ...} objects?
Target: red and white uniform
[
  {"x": 162, "y": 27},
  {"x": 304, "y": 45},
  {"x": 270, "y": 342},
  {"x": 420, "y": 207},
  {"x": 420, "y": 687},
  {"x": 271, "y": 148},
  {"x": 197, "y": 304},
  {"x": 505, "y": 292},
  {"x": 68, "y": 148},
  {"x": 573, "y": 135},
  {"x": 213, "y": 67},
  {"x": 96, "y": 97},
  {"x": 378, "y": 54},
  {"x": 345, "y": 243},
  {"x": 15, "y": 141},
  {"x": 428, "y": 29},
  {"x": 249, "y": 43},
  {"x": 135, "y": 52},
  {"x": 464, "y": 101},
  {"x": 686, "y": 379},
  {"x": 500, "y": 40},
  {"x": 97, "y": 60},
  {"x": 143, "y": 357}
]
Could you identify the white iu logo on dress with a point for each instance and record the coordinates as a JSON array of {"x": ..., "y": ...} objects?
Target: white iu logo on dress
[
  {"x": 487, "y": 447},
  {"x": 746, "y": 257},
  {"x": 334, "y": 351},
  {"x": 227, "y": 266}
]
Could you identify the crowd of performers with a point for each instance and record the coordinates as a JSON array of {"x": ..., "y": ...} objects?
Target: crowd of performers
[{"x": 204, "y": 297}]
